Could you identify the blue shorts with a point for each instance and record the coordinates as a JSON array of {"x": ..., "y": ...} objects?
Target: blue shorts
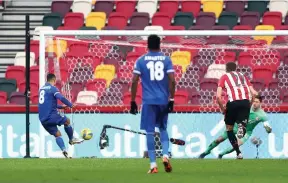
[
  {"x": 153, "y": 116},
  {"x": 51, "y": 124}
]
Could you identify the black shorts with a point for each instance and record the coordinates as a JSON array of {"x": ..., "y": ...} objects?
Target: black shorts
[{"x": 237, "y": 112}]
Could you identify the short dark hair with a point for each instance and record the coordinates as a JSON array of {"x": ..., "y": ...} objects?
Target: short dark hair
[
  {"x": 50, "y": 77},
  {"x": 154, "y": 42},
  {"x": 259, "y": 97},
  {"x": 231, "y": 66}
]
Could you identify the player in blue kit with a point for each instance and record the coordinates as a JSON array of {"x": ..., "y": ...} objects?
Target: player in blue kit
[
  {"x": 158, "y": 88},
  {"x": 49, "y": 115}
]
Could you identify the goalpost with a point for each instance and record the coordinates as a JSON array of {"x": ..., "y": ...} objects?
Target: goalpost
[{"x": 79, "y": 57}]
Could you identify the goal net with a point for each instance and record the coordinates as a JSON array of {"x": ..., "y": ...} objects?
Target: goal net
[{"x": 94, "y": 71}]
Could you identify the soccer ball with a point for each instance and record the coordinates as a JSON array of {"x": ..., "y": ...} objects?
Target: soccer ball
[{"x": 86, "y": 134}]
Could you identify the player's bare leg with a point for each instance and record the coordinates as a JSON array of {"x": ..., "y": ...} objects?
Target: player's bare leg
[
  {"x": 233, "y": 140},
  {"x": 69, "y": 130},
  {"x": 214, "y": 144},
  {"x": 165, "y": 146},
  {"x": 60, "y": 143}
]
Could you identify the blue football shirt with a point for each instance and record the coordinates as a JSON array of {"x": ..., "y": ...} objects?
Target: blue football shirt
[
  {"x": 48, "y": 101},
  {"x": 153, "y": 69}
]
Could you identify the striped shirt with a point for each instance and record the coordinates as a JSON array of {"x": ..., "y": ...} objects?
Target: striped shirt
[{"x": 236, "y": 85}]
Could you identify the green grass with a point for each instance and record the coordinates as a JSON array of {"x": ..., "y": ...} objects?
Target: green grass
[{"x": 134, "y": 171}]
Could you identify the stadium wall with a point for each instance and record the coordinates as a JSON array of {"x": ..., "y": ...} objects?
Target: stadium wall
[{"x": 198, "y": 130}]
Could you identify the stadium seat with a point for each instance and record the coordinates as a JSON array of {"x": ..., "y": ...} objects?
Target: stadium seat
[
  {"x": 15, "y": 72},
  {"x": 98, "y": 85},
  {"x": 34, "y": 48},
  {"x": 127, "y": 98},
  {"x": 20, "y": 59},
  {"x": 218, "y": 39},
  {"x": 105, "y": 72},
  {"x": 215, "y": 71},
  {"x": 195, "y": 98},
  {"x": 272, "y": 18},
  {"x": 280, "y": 6},
  {"x": 185, "y": 19},
  {"x": 181, "y": 97},
  {"x": 206, "y": 19},
  {"x": 74, "y": 20},
  {"x": 78, "y": 47},
  {"x": 182, "y": 58},
  {"x": 108, "y": 37},
  {"x": 257, "y": 6},
  {"x": 169, "y": 7},
  {"x": 112, "y": 61},
  {"x": 62, "y": 7},
  {"x": 263, "y": 72},
  {"x": 82, "y": 6},
  {"x": 214, "y": 6},
  {"x": 177, "y": 72},
  {"x": 88, "y": 28},
  {"x": 53, "y": 20},
  {"x": 8, "y": 85},
  {"x": 271, "y": 59},
  {"x": 96, "y": 19},
  {"x": 140, "y": 20},
  {"x": 246, "y": 70},
  {"x": 111, "y": 99},
  {"x": 76, "y": 87},
  {"x": 237, "y": 7},
  {"x": 104, "y": 6},
  {"x": 118, "y": 20},
  {"x": 242, "y": 27},
  {"x": 34, "y": 73},
  {"x": 34, "y": 87},
  {"x": 58, "y": 47},
  {"x": 66, "y": 28},
  {"x": 125, "y": 72},
  {"x": 274, "y": 84},
  {"x": 285, "y": 98},
  {"x": 119, "y": 86},
  {"x": 258, "y": 84},
  {"x": 126, "y": 7},
  {"x": 17, "y": 98},
  {"x": 173, "y": 39},
  {"x": 34, "y": 99},
  {"x": 87, "y": 97},
  {"x": 147, "y": 6},
  {"x": 250, "y": 18},
  {"x": 208, "y": 84},
  {"x": 132, "y": 57},
  {"x": 3, "y": 98},
  {"x": 77, "y": 76},
  {"x": 191, "y": 6},
  {"x": 268, "y": 39},
  {"x": 229, "y": 19},
  {"x": 39, "y": 29},
  {"x": 245, "y": 58},
  {"x": 225, "y": 57},
  {"x": 161, "y": 19}
]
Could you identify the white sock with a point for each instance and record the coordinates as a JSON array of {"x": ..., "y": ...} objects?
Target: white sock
[
  {"x": 153, "y": 165},
  {"x": 165, "y": 156}
]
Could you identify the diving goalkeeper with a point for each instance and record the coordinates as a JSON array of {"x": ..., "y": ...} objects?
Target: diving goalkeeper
[{"x": 257, "y": 115}]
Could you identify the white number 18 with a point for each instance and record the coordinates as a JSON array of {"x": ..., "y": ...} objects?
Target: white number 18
[{"x": 156, "y": 70}]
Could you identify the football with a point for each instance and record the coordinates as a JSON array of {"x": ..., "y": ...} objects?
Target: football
[{"x": 86, "y": 134}]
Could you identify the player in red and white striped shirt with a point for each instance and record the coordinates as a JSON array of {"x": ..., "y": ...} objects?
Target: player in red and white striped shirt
[{"x": 240, "y": 92}]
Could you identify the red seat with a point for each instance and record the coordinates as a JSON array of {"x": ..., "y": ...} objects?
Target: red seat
[
  {"x": 79, "y": 47},
  {"x": 195, "y": 98},
  {"x": 34, "y": 99},
  {"x": 76, "y": 87},
  {"x": 75, "y": 20},
  {"x": 118, "y": 20},
  {"x": 242, "y": 27},
  {"x": 119, "y": 86},
  {"x": 263, "y": 72},
  {"x": 125, "y": 72},
  {"x": 98, "y": 85},
  {"x": 271, "y": 59},
  {"x": 181, "y": 97},
  {"x": 245, "y": 58},
  {"x": 17, "y": 98},
  {"x": 161, "y": 19},
  {"x": 169, "y": 7},
  {"x": 34, "y": 87},
  {"x": 66, "y": 28},
  {"x": 258, "y": 84},
  {"x": 225, "y": 57},
  {"x": 192, "y": 6},
  {"x": 34, "y": 73},
  {"x": 274, "y": 84},
  {"x": 178, "y": 72},
  {"x": 3, "y": 97},
  {"x": 173, "y": 39},
  {"x": 208, "y": 84},
  {"x": 112, "y": 61},
  {"x": 34, "y": 47},
  {"x": 132, "y": 57},
  {"x": 15, "y": 72},
  {"x": 126, "y": 7},
  {"x": 127, "y": 98},
  {"x": 285, "y": 98},
  {"x": 272, "y": 18}
]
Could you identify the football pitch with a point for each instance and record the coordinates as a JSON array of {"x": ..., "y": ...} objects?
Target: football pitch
[{"x": 134, "y": 171}]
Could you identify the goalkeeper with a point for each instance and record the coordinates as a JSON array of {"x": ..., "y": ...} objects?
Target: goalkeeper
[{"x": 257, "y": 115}]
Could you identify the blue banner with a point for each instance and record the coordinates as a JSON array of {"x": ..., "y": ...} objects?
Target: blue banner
[{"x": 198, "y": 130}]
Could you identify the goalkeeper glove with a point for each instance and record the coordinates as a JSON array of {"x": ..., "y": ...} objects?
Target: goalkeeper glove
[
  {"x": 133, "y": 108},
  {"x": 171, "y": 105}
]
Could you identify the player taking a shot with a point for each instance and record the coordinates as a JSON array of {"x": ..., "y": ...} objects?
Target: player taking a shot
[
  {"x": 158, "y": 83},
  {"x": 257, "y": 115},
  {"x": 49, "y": 115}
]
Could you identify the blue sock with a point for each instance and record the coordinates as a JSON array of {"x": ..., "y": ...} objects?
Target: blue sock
[
  {"x": 151, "y": 147},
  {"x": 164, "y": 141},
  {"x": 69, "y": 131},
  {"x": 60, "y": 143}
]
